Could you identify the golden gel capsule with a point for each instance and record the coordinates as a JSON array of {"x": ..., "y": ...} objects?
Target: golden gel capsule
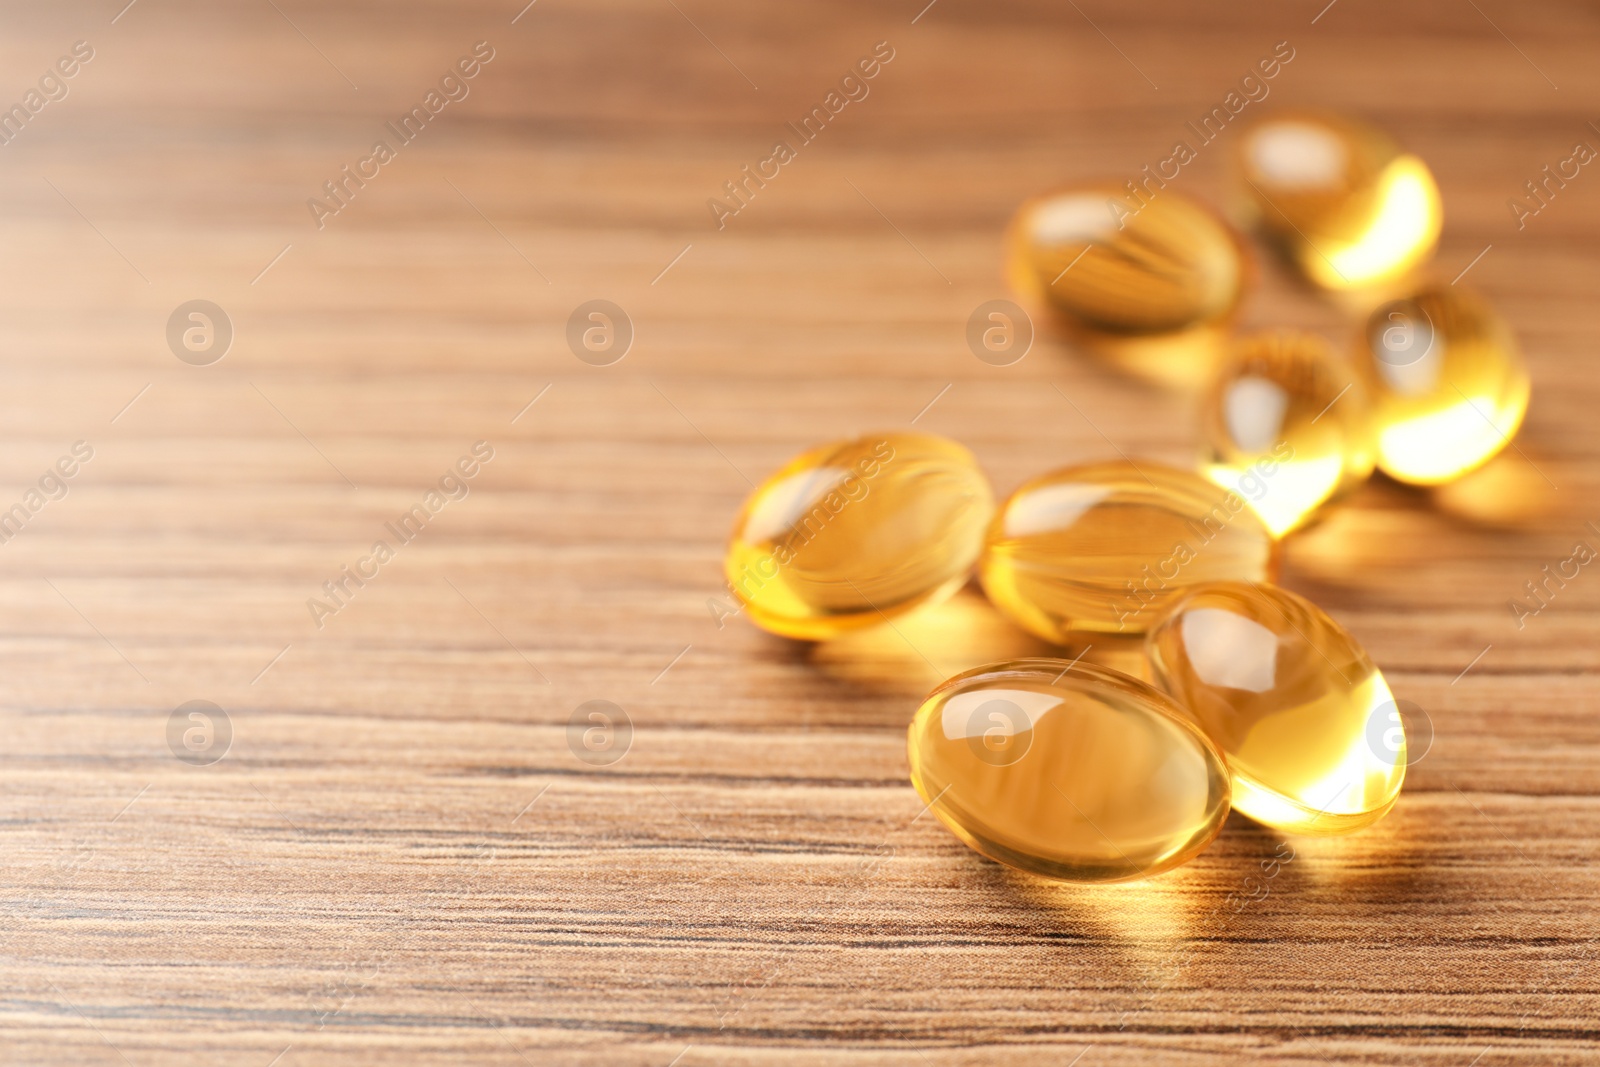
[
  {"x": 855, "y": 532},
  {"x": 1151, "y": 278},
  {"x": 1072, "y": 771},
  {"x": 1346, "y": 204},
  {"x": 1286, "y": 426},
  {"x": 1447, "y": 383},
  {"x": 1307, "y": 723},
  {"x": 1104, "y": 548}
]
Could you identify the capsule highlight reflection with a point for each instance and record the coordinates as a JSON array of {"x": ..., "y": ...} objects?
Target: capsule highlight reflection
[
  {"x": 1070, "y": 771},
  {"x": 856, "y": 532},
  {"x": 1447, "y": 383},
  {"x": 1151, "y": 284},
  {"x": 1349, "y": 208},
  {"x": 1287, "y": 426},
  {"x": 1309, "y": 728},
  {"x": 1103, "y": 548}
]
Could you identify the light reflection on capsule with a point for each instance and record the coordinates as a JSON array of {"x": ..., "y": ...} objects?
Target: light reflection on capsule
[{"x": 1348, "y": 207}]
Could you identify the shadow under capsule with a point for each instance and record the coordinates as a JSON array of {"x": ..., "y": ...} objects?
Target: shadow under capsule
[
  {"x": 1179, "y": 361},
  {"x": 1159, "y": 910},
  {"x": 1129, "y": 936},
  {"x": 919, "y": 651},
  {"x": 1510, "y": 492},
  {"x": 1385, "y": 864},
  {"x": 1355, "y": 541}
]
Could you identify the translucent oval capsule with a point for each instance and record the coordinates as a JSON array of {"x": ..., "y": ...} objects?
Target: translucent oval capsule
[
  {"x": 1151, "y": 279},
  {"x": 1311, "y": 733},
  {"x": 1347, "y": 205},
  {"x": 1071, "y": 771},
  {"x": 1104, "y": 548},
  {"x": 1447, "y": 384},
  {"x": 1286, "y": 426},
  {"x": 856, "y": 532}
]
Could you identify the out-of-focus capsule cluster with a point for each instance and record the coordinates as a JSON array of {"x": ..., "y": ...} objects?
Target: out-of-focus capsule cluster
[
  {"x": 1432, "y": 386},
  {"x": 1260, "y": 701}
]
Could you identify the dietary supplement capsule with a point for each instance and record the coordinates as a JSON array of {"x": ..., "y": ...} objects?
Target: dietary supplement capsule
[
  {"x": 1346, "y": 204},
  {"x": 1144, "y": 274},
  {"x": 1103, "y": 548},
  {"x": 1286, "y": 425},
  {"x": 1071, "y": 771},
  {"x": 1447, "y": 383},
  {"x": 1306, "y": 721},
  {"x": 855, "y": 532}
]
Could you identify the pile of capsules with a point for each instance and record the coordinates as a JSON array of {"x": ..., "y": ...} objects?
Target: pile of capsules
[{"x": 1261, "y": 702}]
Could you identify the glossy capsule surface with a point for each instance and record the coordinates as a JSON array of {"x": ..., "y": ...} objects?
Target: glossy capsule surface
[
  {"x": 1286, "y": 425},
  {"x": 1151, "y": 283},
  {"x": 1349, "y": 207},
  {"x": 1310, "y": 731},
  {"x": 856, "y": 532},
  {"x": 1105, "y": 260},
  {"x": 1104, "y": 548},
  {"x": 1447, "y": 383},
  {"x": 1071, "y": 771}
]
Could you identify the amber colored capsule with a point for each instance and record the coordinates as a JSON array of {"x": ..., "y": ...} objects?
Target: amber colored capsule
[
  {"x": 856, "y": 532},
  {"x": 1286, "y": 425},
  {"x": 1310, "y": 730},
  {"x": 1149, "y": 277},
  {"x": 1447, "y": 383},
  {"x": 1103, "y": 548},
  {"x": 1071, "y": 771},
  {"x": 1346, "y": 204}
]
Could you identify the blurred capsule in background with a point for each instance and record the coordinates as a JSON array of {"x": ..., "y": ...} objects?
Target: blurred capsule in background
[
  {"x": 1104, "y": 548},
  {"x": 1347, "y": 206},
  {"x": 1142, "y": 275},
  {"x": 1286, "y": 426},
  {"x": 1311, "y": 733},
  {"x": 1071, "y": 771},
  {"x": 855, "y": 532},
  {"x": 1446, "y": 381}
]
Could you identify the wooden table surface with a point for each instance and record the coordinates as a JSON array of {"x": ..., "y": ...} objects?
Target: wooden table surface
[{"x": 400, "y": 857}]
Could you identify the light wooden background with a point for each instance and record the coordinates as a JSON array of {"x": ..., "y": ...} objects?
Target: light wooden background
[{"x": 400, "y": 860}]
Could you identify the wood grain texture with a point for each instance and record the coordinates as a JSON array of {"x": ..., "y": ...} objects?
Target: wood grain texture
[{"x": 400, "y": 860}]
